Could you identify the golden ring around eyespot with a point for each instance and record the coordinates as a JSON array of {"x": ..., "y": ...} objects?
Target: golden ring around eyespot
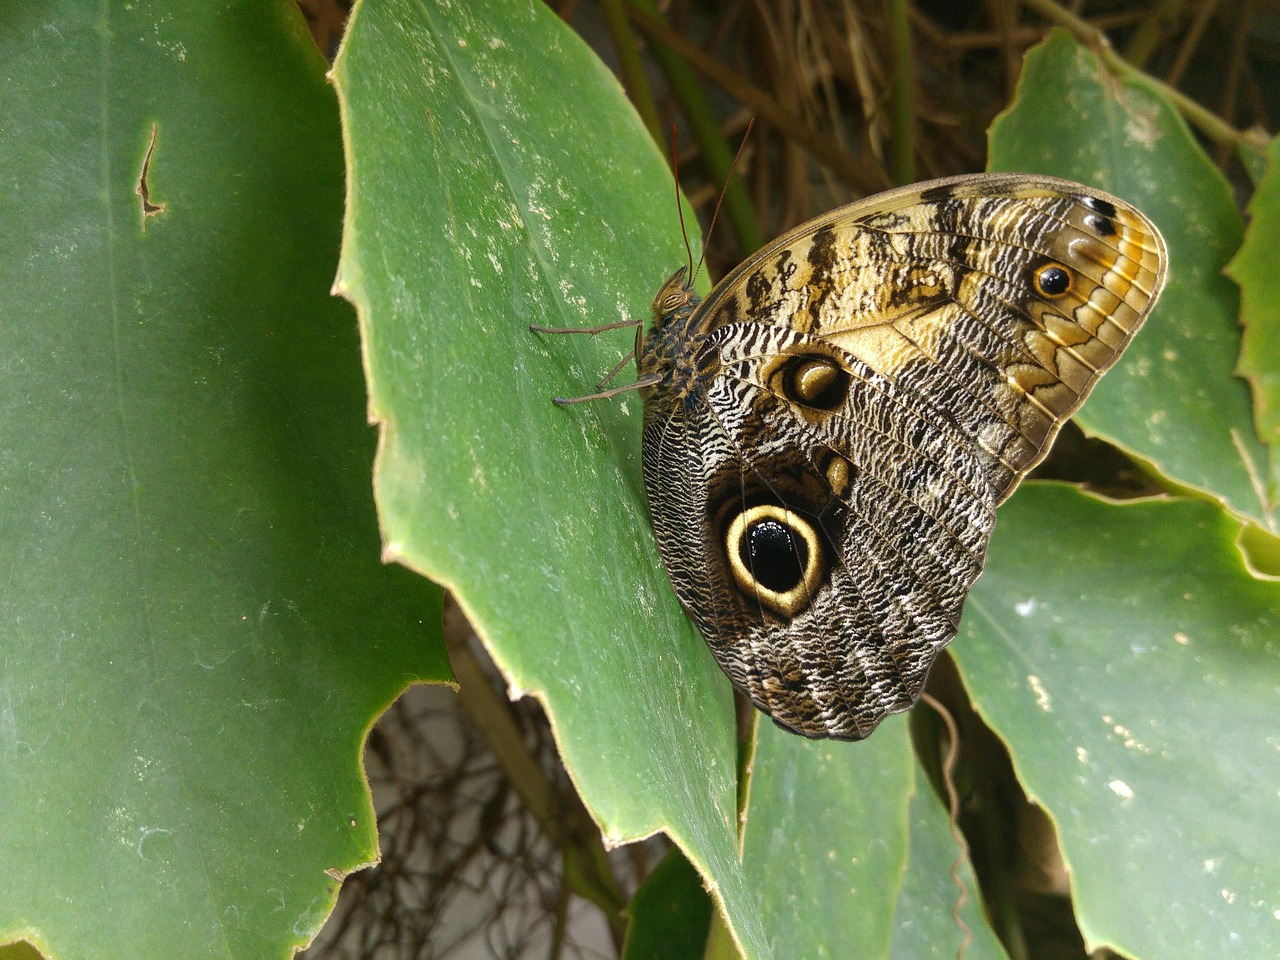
[
  {"x": 796, "y": 598},
  {"x": 1052, "y": 280}
]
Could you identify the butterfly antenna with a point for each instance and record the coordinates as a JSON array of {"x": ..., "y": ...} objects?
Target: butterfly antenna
[
  {"x": 675, "y": 169},
  {"x": 715, "y": 214}
]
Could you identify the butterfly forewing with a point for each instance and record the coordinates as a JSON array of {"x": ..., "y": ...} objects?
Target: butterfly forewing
[
  {"x": 1001, "y": 299},
  {"x": 831, "y": 430}
]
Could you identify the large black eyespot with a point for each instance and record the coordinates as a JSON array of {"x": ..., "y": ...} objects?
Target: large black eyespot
[
  {"x": 774, "y": 554},
  {"x": 1052, "y": 281},
  {"x": 775, "y": 557},
  {"x": 814, "y": 381}
]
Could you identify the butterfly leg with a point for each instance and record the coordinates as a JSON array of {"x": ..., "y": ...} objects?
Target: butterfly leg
[{"x": 621, "y": 324}]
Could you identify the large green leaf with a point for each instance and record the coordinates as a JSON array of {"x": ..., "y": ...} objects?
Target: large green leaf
[
  {"x": 498, "y": 178},
  {"x": 1133, "y": 666},
  {"x": 1254, "y": 269},
  {"x": 197, "y": 630},
  {"x": 924, "y": 924},
  {"x": 847, "y": 858},
  {"x": 1124, "y": 653},
  {"x": 1173, "y": 399},
  {"x": 826, "y": 836}
]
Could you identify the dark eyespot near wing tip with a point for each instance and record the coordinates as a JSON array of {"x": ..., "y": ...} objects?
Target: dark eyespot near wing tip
[
  {"x": 1103, "y": 226},
  {"x": 1099, "y": 206}
]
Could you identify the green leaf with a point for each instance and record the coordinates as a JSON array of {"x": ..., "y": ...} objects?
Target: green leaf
[
  {"x": 826, "y": 839},
  {"x": 847, "y": 857},
  {"x": 670, "y": 913},
  {"x": 498, "y": 178},
  {"x": 198, "y": 632},
  {"x": 1261, "y": 551},
  {"x": 1132, "y": 664},
  {"x": 923, "y": 925},
  {"x": 1172, "y": 399},
  {"x": 1254, "y": 269},
  {"x": 1254, "y": 159},
  {"x": 1125, "y": 653}
]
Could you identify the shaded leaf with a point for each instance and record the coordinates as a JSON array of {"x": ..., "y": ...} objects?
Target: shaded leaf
[
  {"x": 923, "y": 922},
  {"x": 826, "y": 839},
  {"x": 847, "y": 857},
  {"x": 670, "y": 913}
]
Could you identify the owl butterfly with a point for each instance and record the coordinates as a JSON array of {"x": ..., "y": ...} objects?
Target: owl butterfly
[{"x": 828, "y": 434}]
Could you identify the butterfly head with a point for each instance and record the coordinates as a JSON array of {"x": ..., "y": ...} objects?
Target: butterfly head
[{"x": 674, "y": 301}]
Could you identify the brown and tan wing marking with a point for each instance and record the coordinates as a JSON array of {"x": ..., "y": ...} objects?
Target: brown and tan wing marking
[{"x": 1002, "y": 299}]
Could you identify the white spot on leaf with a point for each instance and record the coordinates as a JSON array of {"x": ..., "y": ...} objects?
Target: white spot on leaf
[
  {"x": 1120, "y": 789},
  {"x": 1043, "y": 701}
]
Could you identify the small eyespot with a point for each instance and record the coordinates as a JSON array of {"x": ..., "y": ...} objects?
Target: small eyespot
[
  {"x": 814, "y": 381},
  {"x": 1103, "y": 226},
  {"x": 1099, "y": 206},
  {"x": 839, "y": 475},
  {"x": 1052, "y": 281}
]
